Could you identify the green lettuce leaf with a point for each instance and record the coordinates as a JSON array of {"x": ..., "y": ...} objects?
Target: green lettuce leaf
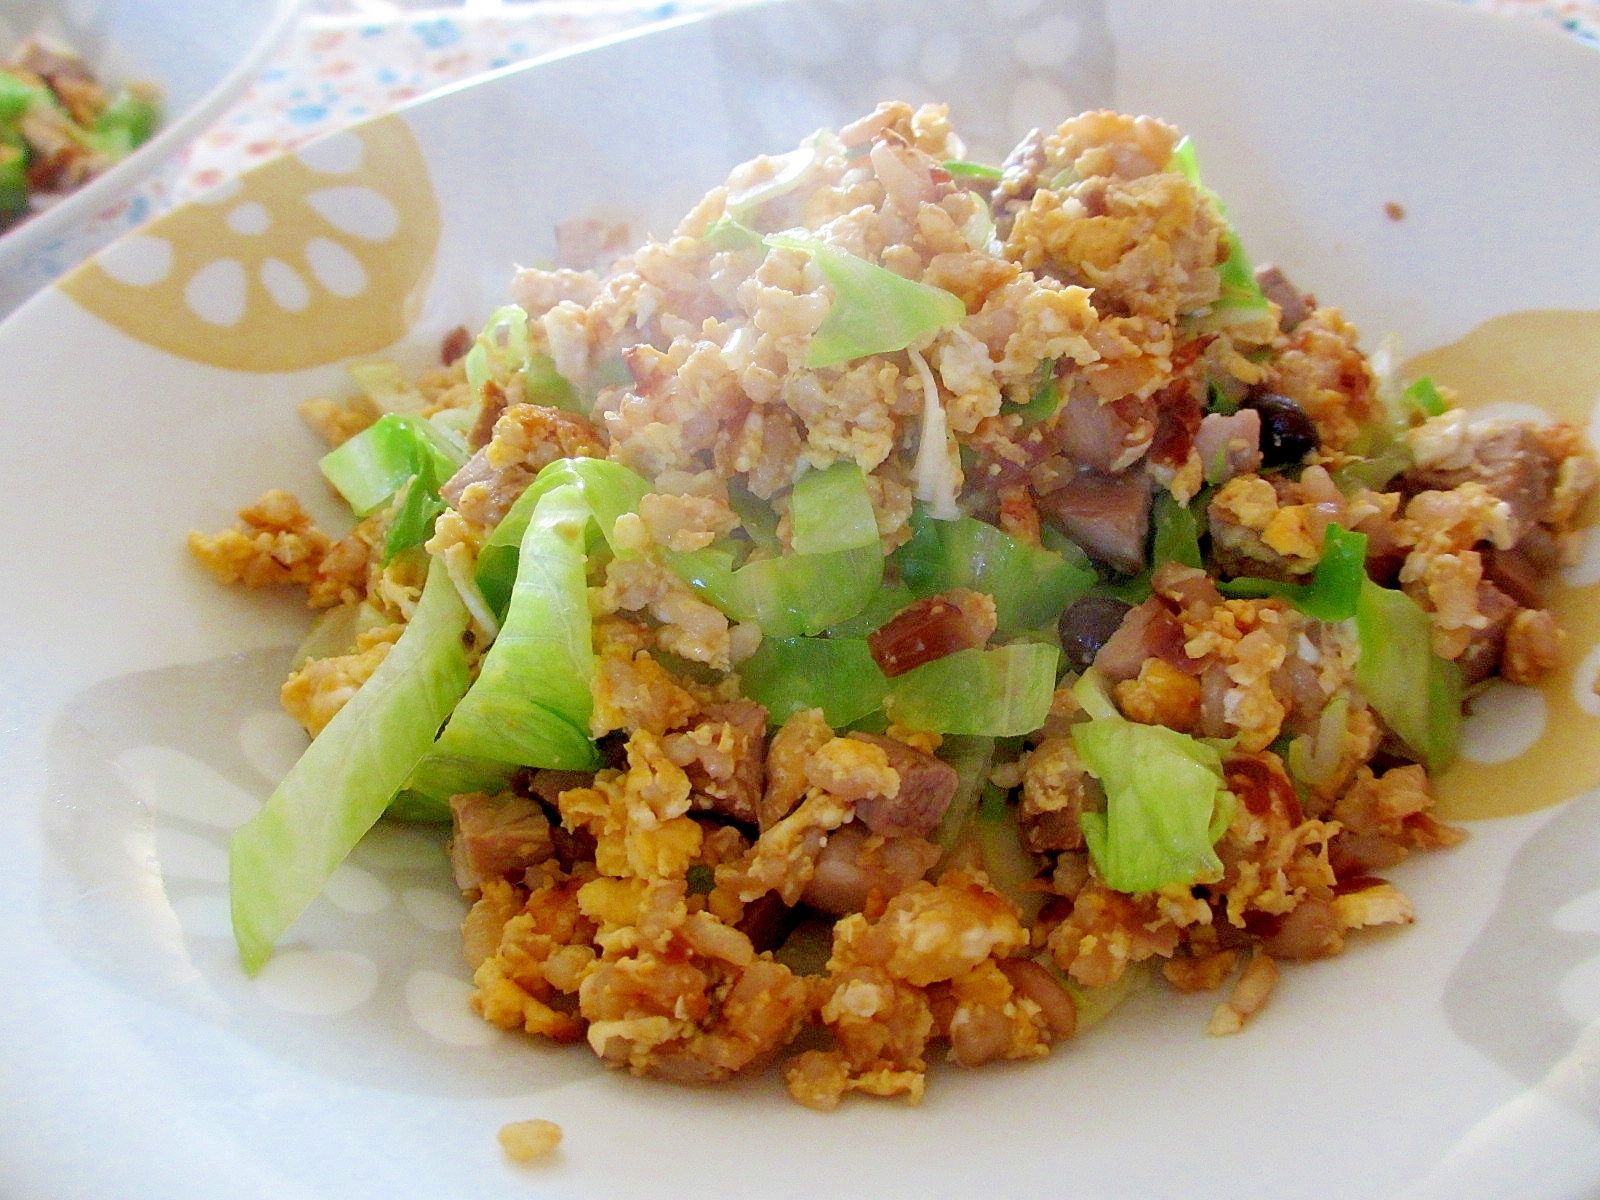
[
  {"x": 531, "y": 702},
  {"x": 1003, "y": 691},
  {"x": 874, "y": 311},
  {"x": 1336, "y": 585},
  {"x": 1240, "y": 295},
  {"x": 831, "y": 510},
  {"x": 837, "y": 675},
  {"x": 795, "y": 595},
  {"x": 609, "y": 489},
  {"x": 369, "y": 468},
  {"x": 1031, "y": 586},
  {"x": 1166, "y": 804},
  {"x": 279, "y": 860},
  {"x": 1417, "y": 693}
]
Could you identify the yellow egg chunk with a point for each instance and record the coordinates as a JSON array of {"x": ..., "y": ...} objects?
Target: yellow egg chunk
[{"x": 316, "y": 256}]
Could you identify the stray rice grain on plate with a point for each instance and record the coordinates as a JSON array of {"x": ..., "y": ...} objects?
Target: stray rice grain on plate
[{"x": 909, "y": 605}]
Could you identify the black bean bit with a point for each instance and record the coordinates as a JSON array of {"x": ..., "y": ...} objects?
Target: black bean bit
[
  {"x": 1087, "y": 625},
  {"x": 1287, "y": 433}
]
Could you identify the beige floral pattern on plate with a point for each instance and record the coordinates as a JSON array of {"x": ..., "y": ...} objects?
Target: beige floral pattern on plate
[
  {"x": 1529, "y": 748},
  {"x": 319, "y": 255}
]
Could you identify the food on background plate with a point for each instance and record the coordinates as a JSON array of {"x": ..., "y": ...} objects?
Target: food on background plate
[
  {"x": 910, "y": 606},
  {"x": 60, "y": 127}
]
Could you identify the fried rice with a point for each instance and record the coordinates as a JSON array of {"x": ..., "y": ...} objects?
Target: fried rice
[{"x": 1152, "y": 605}]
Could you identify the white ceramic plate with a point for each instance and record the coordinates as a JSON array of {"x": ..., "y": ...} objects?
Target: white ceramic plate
[
  {"x": 200, "y": 53},
  {"x": 154, "y": 392}
]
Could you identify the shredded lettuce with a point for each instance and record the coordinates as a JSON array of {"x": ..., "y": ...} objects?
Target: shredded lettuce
[
  {"x": 418, "y": 507},
  {"x": 1423, "y": 395},
  {"x": 388, "y": 386},
  {"x": 837, "y": 675},
  {"x": 1009, "y": 866},
  {"x": 1166, "y": 804},
  {"x": 1031, "y": 586},
  {"x": 832, "y": 510},
  {"x": 17, "y": 96},
  {"x": 505, "y": 348},
  {"x": 126, "y": 123},
  {"x": 1177, "y": 533},
  {"x": 369, "y": 468},
  {"x": 790, "y": 171},
  {"x": 279, "y": 859},
  {"x": 972, "y": 170},
  {"x": 796, "y": 595},
  {"x": 971, "y": 757},
  {"x": 531, "y": 702},
  {"x": 1240, "y": 296},
  {"x": 1336, "y": 585},
  {"x": 728, "y": 233},
  {"x": 834, "y": 573},
  {"x": 609, "y": 488},
  {"x": 874, "y": 311},
  {"x": 1046, "y": 397},
  {"x": 756, "y": 518},
  {"x": 886, "y": 602},
  {"x": 13, "y": 171},
  {"x": 1417, "y": 693},
  {"x": 335, "y": 631},
  {"x": 1003, "y": 691},
  {"x": 426, "y": 794}
]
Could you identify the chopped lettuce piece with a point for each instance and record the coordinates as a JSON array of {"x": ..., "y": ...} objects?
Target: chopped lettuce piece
[
  {"x": 1031, "y": 586},
  {"x": 1383, "y": 455},
  {"x": 1241, "y": 296},
  {"x": 1423, "y": 395},
  {"x": 837, "y": 675},
  {"x": 426, "y": 794},
  {"x": 756, "y": 518},
  {"x": 124, "y": 124},
  {"x": 1003, "y": 691},
  {"x": 13, "y": 171},
  {"x": 972, "y": 170},
  {"x": 888, "y": 600},
  {"x": 531, "y": 702},
  {"x": 418, "y": 507},
  {"x": 335, "y": 631},
  {"x": 1177, "y": 533},
  {"x": 796, "y": 595},
  {"x": 971, "y": 757},
  {"x": 1417, "y": 693},
  {"x": 1336, "y": 585},
  {"x": 370, "y": 467},
  {"x": 18, "y": 95},
  {"x": 543, "y": 384},
  {"x": 1093, "y": 695},
  {"x": 136, "y": 111},
  {"x": 1005, "y": 860},
  {"x": 609, "y": 488},
  {"x": 505, "y": 348},
  {"x": 789, "y": 172},
  {"x": 831, "y": 510},
  {"x": 280, "y": 859},
  {"x": 1166, "y": 804},
  {"x": 388, "y": 386},
  {"x": 726, "y": 233},
  {"x": 874, "y": 311},
  {"x": 1046, "y": 398}
]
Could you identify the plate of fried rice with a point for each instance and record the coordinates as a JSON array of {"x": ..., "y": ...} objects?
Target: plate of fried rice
[{"x": 838, "y": 599}]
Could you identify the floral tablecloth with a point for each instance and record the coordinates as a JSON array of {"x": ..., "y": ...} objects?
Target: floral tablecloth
[{"x": 351, "y": 59}]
